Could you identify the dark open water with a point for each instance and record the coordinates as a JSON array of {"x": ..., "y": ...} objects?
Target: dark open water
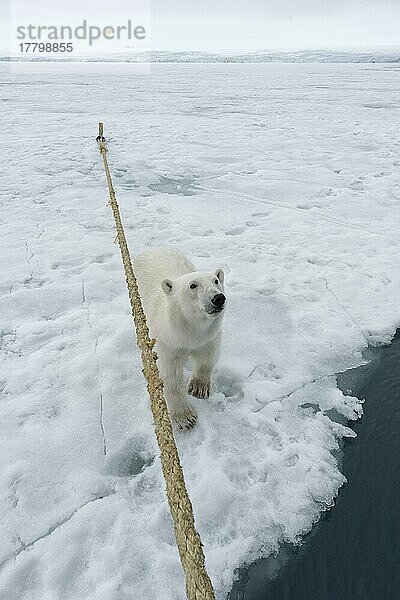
[{"x": 353, "y": 553}]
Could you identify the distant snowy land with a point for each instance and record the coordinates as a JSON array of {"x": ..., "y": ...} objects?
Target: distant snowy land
[
  {"x": 285, "y": 175},
  {"x": 299, "y": 56}
]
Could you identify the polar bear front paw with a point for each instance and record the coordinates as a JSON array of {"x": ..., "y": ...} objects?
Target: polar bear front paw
[
  {"x": 185, "y": 419},
  {"x": 198, "y": 388}
]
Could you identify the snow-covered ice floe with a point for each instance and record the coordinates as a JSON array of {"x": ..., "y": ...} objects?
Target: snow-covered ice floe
[{"x": 288, "y": 176}]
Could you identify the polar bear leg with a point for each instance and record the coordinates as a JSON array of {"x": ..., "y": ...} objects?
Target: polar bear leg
[
  {"x": 170, "y": 364},
  {"x": 204, "y": 361}
]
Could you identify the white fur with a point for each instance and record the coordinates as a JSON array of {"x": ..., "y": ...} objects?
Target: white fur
[{"x": 177, "y": 317}]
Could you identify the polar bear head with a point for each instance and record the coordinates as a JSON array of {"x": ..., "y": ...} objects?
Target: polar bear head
[{"x": 197, "y": 293}]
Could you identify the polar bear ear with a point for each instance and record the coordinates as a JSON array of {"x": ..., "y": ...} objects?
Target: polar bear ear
[
  {"x": 220, "y": 274},
  {"x": 166, "y": 285}
]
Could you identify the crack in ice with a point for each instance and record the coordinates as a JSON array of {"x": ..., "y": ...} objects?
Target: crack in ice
[
  {"x": 296, "y": 389},
  {"x": 344, "y": 309},
  {"x": 101, "y": 403},
  {"x": 51, "y": 530}
]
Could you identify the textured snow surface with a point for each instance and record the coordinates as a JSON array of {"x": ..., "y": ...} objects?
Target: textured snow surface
[{"x": 288, "y": 176}]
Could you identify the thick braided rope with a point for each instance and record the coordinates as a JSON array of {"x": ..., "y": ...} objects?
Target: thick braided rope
[{"x": 198, "y": 584}]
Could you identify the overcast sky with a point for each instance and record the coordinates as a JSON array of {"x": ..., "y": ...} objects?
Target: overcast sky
[
  {"x": 217, "y": 25},
  {"x": 263, "y": 24}
]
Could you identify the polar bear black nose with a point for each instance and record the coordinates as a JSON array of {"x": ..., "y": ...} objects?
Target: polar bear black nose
[{"x": 218, "y": 300}]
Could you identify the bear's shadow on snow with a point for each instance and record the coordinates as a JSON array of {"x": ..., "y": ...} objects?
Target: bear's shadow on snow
[{"x": 133, "y": 458}]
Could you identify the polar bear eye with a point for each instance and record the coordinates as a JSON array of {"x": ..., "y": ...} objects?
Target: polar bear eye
[
  {"x": 193, "y": 286},
  {"x": 216, "y": 281}
]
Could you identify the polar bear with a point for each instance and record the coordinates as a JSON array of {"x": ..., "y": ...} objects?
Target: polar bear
[{"x": 184, "y": 310}]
